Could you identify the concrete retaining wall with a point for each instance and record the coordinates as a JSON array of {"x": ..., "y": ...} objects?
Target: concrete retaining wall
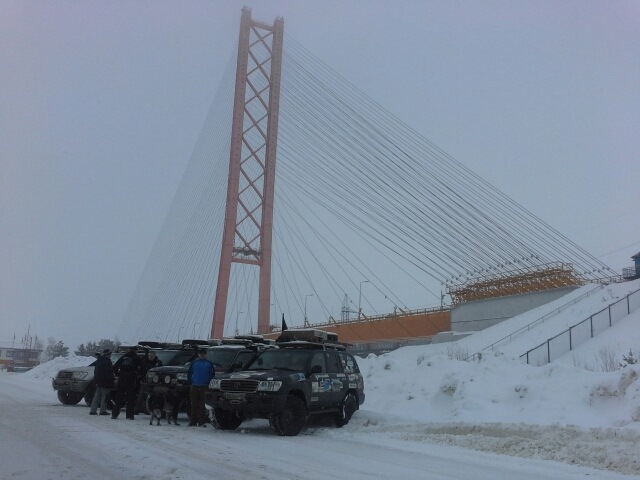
[{"x": 478, "y": 315}]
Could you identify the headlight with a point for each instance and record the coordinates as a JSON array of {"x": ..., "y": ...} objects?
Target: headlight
[
  {"x": 155, "y": 379},
  {"x": 167, "y": 379},
  {"x": 79, "y": 375},
  {"x": 150, "y": 376},
  {"x": 214, "y": 384},
  {"x": 269, "y": 386},
  {"x": 181, "y": 376}
]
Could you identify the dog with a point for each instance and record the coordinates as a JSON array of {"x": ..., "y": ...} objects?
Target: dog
[
  {"x": 170, "y": 409},
  {"x": 155, "y": 406},
  {"x": 162, "y": 405}
]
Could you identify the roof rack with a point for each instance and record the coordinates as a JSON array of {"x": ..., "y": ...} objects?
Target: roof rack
[
  {"x": 198, "y": 342},
  {"x": 151, "y": 344},
  {"x": 307, "y": 335}
]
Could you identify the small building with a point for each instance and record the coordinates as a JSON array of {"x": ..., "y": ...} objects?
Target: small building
[
  {"x": 19, "y": 359},
  {"x": 632, "y": 273}
]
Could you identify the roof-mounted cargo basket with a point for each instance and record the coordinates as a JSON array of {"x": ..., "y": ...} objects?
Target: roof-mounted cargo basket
[
  {"x": 307, "y": 335},
  {"x": 195, "y": 342},
  {"x": 151, "y": 344}
]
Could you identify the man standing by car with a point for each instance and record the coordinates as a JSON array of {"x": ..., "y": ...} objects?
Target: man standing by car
[
  {"x": 127, "y": 369},
  {"x": 148, "y": 362},
  {"x": 103, "y": 376},
  {"x": 200, "y": 374}
]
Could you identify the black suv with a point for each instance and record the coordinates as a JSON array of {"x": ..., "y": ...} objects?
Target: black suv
[
  {"x": 226, "y": 355},
  {"x": 309, "y": 373}
]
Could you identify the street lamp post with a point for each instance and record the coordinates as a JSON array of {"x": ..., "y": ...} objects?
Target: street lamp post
[
  {"x": 305, "y": 308},
  {"x": 360, "y": 299},
  {"x": 237, "y": 316}
]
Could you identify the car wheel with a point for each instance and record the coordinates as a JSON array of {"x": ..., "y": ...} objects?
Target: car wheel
[
  {"x": 347, "y": 409},
  {"x": 292, "y": 419},
  {"x": 226, "y": 419},
  {"x": 69, "y": 398},
  {"x": 89, "y": 393}
]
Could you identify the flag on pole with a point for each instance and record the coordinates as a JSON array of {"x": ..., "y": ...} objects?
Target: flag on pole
[{"x": 284, "y": 324}]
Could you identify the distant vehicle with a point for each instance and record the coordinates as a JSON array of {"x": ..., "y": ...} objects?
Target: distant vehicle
[
  {"x": 227, "y": 355},
  {"x": 75, "y": 383},
  {"x": 309, "y": 373}
]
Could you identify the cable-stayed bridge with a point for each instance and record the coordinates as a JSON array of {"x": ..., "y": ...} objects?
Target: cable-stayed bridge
[{"x": 360, "y": 217}]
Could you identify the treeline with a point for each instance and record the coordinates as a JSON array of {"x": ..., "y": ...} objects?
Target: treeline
[{"x": 56, "y": 348}]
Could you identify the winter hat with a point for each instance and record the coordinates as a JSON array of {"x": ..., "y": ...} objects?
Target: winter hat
[{"x": 106, "y": 351}]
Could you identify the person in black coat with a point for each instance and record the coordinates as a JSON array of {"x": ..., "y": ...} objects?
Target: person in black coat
[
  {"x": 127, "y": 369},
  {"x": 103, "y": 378},
  {"x": 148, "y": 362}
]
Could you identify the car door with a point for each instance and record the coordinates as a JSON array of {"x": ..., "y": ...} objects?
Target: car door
[
  {"x": 337, "y": 377},
  {"x": 321, "y": 394},
  {"x": 353, "y": 377}
]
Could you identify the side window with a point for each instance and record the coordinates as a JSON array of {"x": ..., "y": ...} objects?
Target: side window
[
  {"x": 348, "y": 363},
  {"x": 333, "y": 363},
  {"x": 318, "y": 359}
]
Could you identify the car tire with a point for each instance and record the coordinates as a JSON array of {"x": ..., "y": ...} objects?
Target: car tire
[
  {"x": 291, "y": 420},
  {"x": 347, "y": 409},
  {"x": 226, "y": 419},
  {"x": 69, "y": 398}
]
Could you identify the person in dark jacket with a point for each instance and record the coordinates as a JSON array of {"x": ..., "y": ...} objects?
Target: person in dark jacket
[
  {"x": 103, "y": 378},
  {"x": 148, "y": 362},
  {"x": 127, "y": 369},
  {"x": 200, "y": 374}
]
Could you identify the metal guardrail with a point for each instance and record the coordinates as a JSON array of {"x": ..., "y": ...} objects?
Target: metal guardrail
[
  {"x": 528, "y": 327},
  {"x": 582, "y": 331}
]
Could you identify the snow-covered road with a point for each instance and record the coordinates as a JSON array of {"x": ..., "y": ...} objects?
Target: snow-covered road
[{"x": 42, "y": 439}]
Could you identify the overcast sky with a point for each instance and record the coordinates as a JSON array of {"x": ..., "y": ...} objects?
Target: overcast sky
[{"x": 101, "y": 104}]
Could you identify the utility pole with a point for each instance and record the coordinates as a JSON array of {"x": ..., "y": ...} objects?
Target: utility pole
[
  {"x": 306, "y": 323},
  {"x": 360, "y": 299}
]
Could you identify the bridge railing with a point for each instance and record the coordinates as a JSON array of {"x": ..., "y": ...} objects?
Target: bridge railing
[
  {"x": 579, "y": 333},
  {"x": 373, "y": 318},
  {"x": 508, "y": 338}
]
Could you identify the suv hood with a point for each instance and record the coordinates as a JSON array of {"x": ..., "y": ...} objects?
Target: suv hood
[
  {"x": 275, "y": 374},
  {"x": 77, "y": 369}
]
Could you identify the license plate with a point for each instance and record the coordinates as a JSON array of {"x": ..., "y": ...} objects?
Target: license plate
[{"x": 234, "y": 395}]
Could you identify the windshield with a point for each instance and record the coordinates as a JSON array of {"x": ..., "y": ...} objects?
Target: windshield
[
  {"x": 221, "y": 358},
  {"x": 296, "y": 360},
  {"x": 172, "y": 358}
]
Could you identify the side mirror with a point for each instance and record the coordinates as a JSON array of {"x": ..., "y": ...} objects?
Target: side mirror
[{"x": 316, "y": 369}]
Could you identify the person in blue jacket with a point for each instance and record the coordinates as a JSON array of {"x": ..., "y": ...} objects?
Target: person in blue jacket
[{"x": 200, "y": 374}]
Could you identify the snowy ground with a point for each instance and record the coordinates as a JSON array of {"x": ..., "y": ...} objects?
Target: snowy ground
[{"x": 426, "y": 416}]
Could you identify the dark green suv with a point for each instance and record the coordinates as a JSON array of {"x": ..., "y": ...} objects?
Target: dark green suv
[
  {"x": 227, "y": 356},
  {"x": 309, "y": 373}
]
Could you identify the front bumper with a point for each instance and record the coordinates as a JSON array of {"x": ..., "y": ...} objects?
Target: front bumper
[
  {"x": 70, "y": 385},
  {"x": 256, "y": 403},
  {"x": 178, "y": 391}
]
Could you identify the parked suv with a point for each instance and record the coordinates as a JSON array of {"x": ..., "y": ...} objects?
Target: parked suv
[
  {"x": 227, "y": 355},
  {"x": 75, "y": 383},
  {"x": 308, "y": 373}
]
